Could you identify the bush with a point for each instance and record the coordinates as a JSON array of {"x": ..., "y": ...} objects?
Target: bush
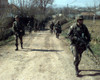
[
  {"x": 6, "y": 34},
  {"x": 5, "y": 27},
  {"x": 7, "y": 22}
]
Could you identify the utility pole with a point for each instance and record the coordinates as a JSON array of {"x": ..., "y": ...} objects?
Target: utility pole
[{"x": 94, "y": 18}]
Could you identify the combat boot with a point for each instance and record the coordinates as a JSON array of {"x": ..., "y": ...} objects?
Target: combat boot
[
  {"x": 21, "y": 46},
  {"x": 16, "y": 49},
  {"x": 77, "y": 71}
]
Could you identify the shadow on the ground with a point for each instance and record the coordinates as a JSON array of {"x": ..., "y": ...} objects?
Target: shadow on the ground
[
  {"x": 44, "y": 29},
  {"x": 95, "y": 73},
  {"x": 43, "y": 50}
]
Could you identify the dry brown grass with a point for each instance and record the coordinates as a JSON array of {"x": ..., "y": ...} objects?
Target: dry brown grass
[{"x": 94, "y": 29}]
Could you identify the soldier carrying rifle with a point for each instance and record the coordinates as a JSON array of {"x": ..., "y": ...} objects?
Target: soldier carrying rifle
[
  {"x": 51, "y": 27},
  {"x": 19, "y": 31},
  {"x": 80, "y": 38}
]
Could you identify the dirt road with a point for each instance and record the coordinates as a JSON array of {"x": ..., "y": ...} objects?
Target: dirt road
[{"x": 44, "y": 57}]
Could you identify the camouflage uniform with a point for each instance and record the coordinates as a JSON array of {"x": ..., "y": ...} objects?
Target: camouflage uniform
[
  {"x": 77, "y": 34},
  {"x": 58, "y": 29},
  {"x": 52, "y": 27},
  {"x": 29, "y": 26},
  {"x": 19, "y": 32}
]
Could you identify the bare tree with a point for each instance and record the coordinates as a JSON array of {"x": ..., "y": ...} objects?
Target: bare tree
[
  {"x": 42, "y": 4},
  {"x": 37, "y": 8}
]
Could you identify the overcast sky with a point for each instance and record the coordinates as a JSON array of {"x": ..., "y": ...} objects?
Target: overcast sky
[{"x": 80, "y": 3}]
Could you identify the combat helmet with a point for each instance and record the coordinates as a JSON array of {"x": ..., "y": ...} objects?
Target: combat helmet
[
  {"x": 16, "y": 16},
  {"x": 79, "y": 17}
]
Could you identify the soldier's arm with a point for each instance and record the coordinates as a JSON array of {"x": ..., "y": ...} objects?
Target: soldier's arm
[
  {"x": 70, "y": 31},
  {"x": 14, "y": 27}
]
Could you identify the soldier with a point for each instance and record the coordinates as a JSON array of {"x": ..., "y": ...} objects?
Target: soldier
[
  {"x": 80, "y": 38},
  {"x": 58, "y": 29},
  {"x": 18, "y": 30},
  {"x": 51, "y": 27},
  {"x": 29, "y": 26}
]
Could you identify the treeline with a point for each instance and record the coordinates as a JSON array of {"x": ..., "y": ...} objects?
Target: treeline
[{"x": 38, "y": 10}]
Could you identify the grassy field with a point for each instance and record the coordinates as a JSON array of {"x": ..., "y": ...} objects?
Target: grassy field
[{"x": 94, "y": 29}]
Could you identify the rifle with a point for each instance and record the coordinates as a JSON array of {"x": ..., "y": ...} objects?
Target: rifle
[{"x": 89, "y": 48}]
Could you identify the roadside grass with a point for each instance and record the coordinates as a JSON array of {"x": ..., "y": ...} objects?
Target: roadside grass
[
  {"x": 94, "y": 29},
  {"x": 5, "y": 42},
  {"x": 96, "y": 49}
]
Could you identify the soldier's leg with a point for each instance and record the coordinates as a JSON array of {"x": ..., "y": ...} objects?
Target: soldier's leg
[
  {"x": 76, "y": 60},
  {"x": 21, "y": 41},
  {"x": 16, "y": 43},
  {"x": 57, "y": 34},
  {"x": 78, "y": 56},
  {"x": 80, "y": 51},
  {"x": 72, "y": 49}
]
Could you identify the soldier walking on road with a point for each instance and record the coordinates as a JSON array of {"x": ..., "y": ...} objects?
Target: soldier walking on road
[
  {"x": 80, "y": 38},
  {"x": 19, "y": 31},
  {"x": 58, "y": 29},
  {"x": 29, "y": 26},
  {"x": 51, "y": 27}
]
